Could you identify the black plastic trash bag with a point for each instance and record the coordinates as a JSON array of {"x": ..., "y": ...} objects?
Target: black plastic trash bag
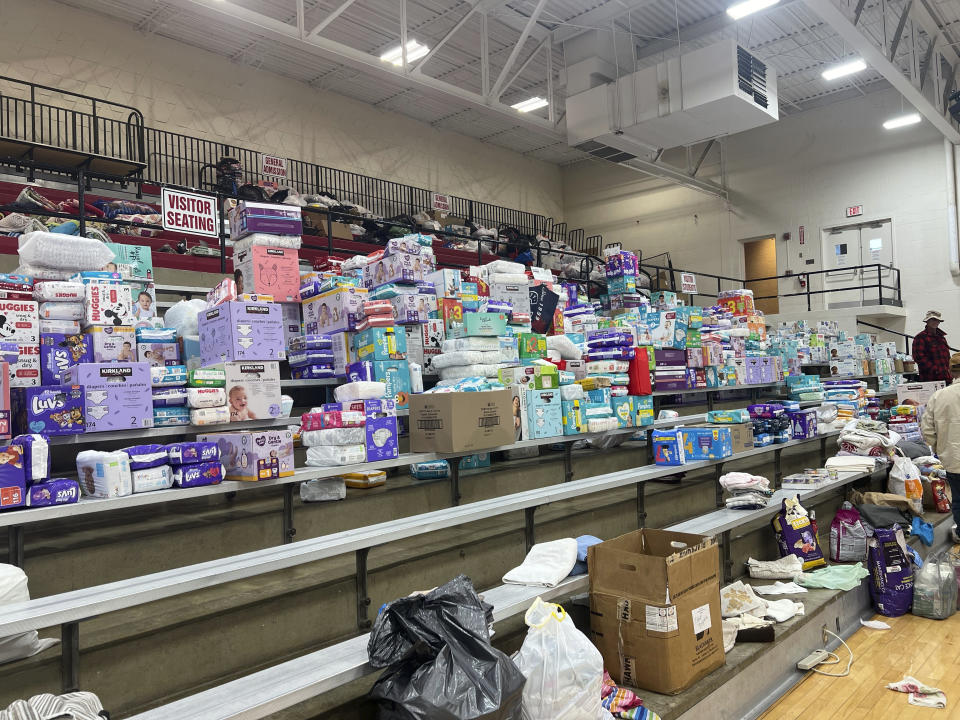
[{"x": 440, "y": 664}]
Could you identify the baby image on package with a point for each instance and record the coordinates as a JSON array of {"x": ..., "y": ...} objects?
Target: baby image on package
[{"x": 253, "y": 390}]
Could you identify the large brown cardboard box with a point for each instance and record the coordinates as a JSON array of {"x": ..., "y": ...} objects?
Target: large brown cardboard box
[
  {"x": 338, "y": 230},
  {"x": 655, "y": 608},
  {"x": 741, "y": 434},
  {"x": 460, "y": 421}
]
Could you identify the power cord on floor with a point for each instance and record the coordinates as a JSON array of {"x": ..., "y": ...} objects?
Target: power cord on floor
[{"x": 836, "y": 658}]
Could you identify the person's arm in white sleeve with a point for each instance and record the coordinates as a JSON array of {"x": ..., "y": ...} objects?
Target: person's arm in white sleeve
[{"x": 928, "y": 424}]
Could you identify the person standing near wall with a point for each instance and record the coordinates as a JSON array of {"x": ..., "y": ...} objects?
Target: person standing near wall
[
  {"x": 940, "y": 425},
  {"x": 931, "y": 351}
]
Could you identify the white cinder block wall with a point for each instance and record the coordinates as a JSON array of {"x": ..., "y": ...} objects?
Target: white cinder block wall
[
  {"x": 803, "y": 170},
  {"x": 186, "y": 90}
]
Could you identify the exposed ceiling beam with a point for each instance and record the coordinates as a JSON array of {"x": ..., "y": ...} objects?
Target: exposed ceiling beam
[
  {"x": 443, "y": 41},
  {"x": 877, "y": 59},
  {"x": 320, "y": 26},
  {"x": 676, "y": 176},
  {"x": 512, "y": 58},
  {"x": 598, "y": 18},
  {"x": 228, "y": 13}
]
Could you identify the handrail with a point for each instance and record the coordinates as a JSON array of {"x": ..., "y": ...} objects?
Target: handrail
[{"x": 908, "y": 339}]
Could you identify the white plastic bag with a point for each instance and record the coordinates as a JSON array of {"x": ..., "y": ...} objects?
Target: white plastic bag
[
  {"x": 63, "y": 252},
  {"x": 13, "y": 589},
  {"x": 564, "y": 670},
  {"x": 905, "y": 481},
  {"x": 183, "y": 316}
]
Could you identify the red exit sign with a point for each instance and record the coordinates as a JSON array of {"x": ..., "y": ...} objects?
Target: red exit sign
[{"x": 855, "y": 211}]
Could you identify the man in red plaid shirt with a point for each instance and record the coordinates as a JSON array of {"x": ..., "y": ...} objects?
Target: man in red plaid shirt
[{"x": 931, "y": 351}]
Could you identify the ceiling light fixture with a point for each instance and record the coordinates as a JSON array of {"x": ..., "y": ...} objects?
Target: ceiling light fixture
[
  {"x": 846, "y": 68},
  {"x": 902, "y": 121},
  {"x": 415, "y": 51},
  {"x": 748, "y": 7},
  {"x": 534, "y": 103}
]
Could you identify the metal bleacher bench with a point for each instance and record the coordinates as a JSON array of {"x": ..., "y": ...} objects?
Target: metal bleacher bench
[
  {"x": 68, "y": 609},
  {"x": 284, "y": 685}
]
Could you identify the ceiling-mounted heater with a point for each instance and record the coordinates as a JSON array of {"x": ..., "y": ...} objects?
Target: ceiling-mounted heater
[{"x": 714, "y": 91}]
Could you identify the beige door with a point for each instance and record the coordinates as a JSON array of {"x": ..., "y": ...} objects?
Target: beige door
[{"x": 760, "y": 261}]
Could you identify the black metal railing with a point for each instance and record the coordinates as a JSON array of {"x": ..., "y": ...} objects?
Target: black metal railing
[
  {"x": 88, "y": 125},
  {"x": 868, "y": 286},
  {"x": 907, "y": 338}
]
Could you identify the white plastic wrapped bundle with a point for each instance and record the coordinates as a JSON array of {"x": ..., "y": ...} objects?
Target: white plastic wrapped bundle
[
  {"x": 155, "y": 478},
  {"x": 63, "y": 252},
  {"x": 465, "y": 371},
  {"x": 334, "y": 436},
  {"x": 564, "y": 346},
  {"x": 42, "y": 273},
  {"x": 600, "y": 367},
  {"x": 281, "y": 241},
  {"x": 210, "y": 415},
  {"x": 572, "y": 392},
  {"x": 465, "y": 357},
  {"x": 602, "y": 424},
  {"x": 206, "y": 397},
  {"x": 470, "y": 344},
  {"x": 361, "y": 390},
  {"x": 357, "y": 262},
  {"x": 503, "y": 266},
  {"x": 183, "y": 316},
  {"x": 57, "y": 291},
  {"x": 323, "y": 490},
  {"x": 331, "y": 455},
  {"x": 104, "y": 474},
  {"x": 61, "y": 310}
]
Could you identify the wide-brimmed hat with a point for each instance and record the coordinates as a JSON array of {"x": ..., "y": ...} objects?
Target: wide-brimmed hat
[
  {"x": 933, "y": 315},
  {"x": 955, "y": 361}
]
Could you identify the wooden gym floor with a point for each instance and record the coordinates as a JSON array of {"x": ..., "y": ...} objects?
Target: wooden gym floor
[{"x": 928, "y": 650}]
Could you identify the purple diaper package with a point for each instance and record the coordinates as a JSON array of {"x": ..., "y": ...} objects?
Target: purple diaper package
[
  {"x": 360, "y": 371},
  {"x": 240, "y": 331},
  {"x": 53, "y": 491},
  {"x": 118, "y": 395},
  {"x": 191, "y": 453},
  {"x": 254, "y": 455},
  {"x": 36, "y": 456},
  {"x": 146, "y": 456},
  {"x": 609, "y": 338},
  {"x": 169, "y": 397},
  {"x": 610, "y": 353},
  {"x": 381, "y": 442},
  {"x": 208, "y": 473},
  {"x": 49, "y": 409},
  {"x": 312, "y": 372},
  {"x": 59, "y": 352},
  {"x": 13, "y": 482},
  {"x": 298, "y": 358},
  {"x": 765, "y": 410},
  {"x": 311, "y": 342}
]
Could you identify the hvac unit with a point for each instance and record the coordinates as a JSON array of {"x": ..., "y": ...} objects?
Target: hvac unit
[{"x": 706, "y": 93}]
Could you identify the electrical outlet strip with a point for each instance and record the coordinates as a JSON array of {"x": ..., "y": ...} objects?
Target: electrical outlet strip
[{"x": 813, "y": 659}]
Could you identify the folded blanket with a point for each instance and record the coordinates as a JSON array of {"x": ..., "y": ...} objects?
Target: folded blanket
[{"x": 546, "y": 564}]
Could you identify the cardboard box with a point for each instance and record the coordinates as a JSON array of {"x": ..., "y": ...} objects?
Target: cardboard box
[
  {"x": 516, "y": 295},
  {"x": 380, "y": 343},
  {"x": 113, "y": 344},
  {"x": 26, "y": 371},
  {"x": 667, "y": 447},
  {"x": 48, "y": 410},
  {"x": 334, "y": 310},
  {"x": 269, "y": 271},
  {"x": 241, "y": 331},
  {"x": 655, "y": 608},
  {"x": 446, "y": 283},
  {"x": 108, "y": 304},
  {"x": 539, "y": 377},
  {"x": 132, "y": 260},
  {"x": 253, "y": 217},
  {"x": 292, "y": 322},
  {"x": 253, "y": 390},
  {"x": 118, "y": 395},
  {"x": 741, "y": 435},
  {"x": 58, "y": 352},
  {"x": 706, "y": 443},
  {"x": 574, "y": 421},
  {"x": 400, "y": 267},
  {"x": 255, "y": 455},
  {"x": 19, "y": 322},
  {"x": 343, "y": 353},
  {"x": 433, "y": 337},
  {"x": 918, "y": 393},
  {"x": 461, "y": 421},
  {"x": 413, "y": 308},
  {"x": 414, "y": 338},
  {"x": 544, "y": 414},
  {"x": 478, "y": 325},
  {"x": 396, "y": 375}
]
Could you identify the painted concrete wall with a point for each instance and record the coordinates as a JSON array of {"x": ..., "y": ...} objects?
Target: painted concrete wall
[
  {"x": 186, "y": 90},
  {"x": 803, "y": 170}
]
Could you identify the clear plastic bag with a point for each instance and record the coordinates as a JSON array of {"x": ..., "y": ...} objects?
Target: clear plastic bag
[
  {"x": 935, "y": 589},
  {"x": 564, "y": 670}
]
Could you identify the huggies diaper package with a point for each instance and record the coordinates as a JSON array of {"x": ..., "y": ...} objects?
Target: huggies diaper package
[{"x": 206, "y": 397}]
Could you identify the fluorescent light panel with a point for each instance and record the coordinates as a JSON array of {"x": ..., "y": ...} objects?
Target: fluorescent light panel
[
  {"x": 534, "y": 103},
  {"x": 902, "y": 121},
  {"x": 748, "y": 7},
  {"x": 844, "y": 69},
  {"x": 415, "y": 51}
]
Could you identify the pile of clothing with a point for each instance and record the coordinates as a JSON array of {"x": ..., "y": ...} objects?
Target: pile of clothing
[
  {"x": 748, "y": 492},
  {"x": 747, "y": 617},
  {"x": 867, "y": 437}
]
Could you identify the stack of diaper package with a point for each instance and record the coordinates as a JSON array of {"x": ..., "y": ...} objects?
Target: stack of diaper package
[
  {"x": 145, "y": 468},
  {"x": 311, "y": 357},
  {"x": 25, "y": 479}
]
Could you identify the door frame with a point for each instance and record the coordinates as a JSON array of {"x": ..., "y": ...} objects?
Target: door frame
[
  {"x": 743, "y": 257},
  {"x": 849, "y": 223}
]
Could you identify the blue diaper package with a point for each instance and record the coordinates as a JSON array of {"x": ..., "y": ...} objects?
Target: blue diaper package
[
  {"x": 298, "y": 358},
  {"x": 208, "y": 473},
  {"x": 58, "y": 352},
  {"x": 146, "y": 456},
  {"x": 53, "y": 491},
  {"x": 299, "y": 343},
  {"x": 169, "y": 376},
  {"x": 312, "y": 372},
  {"x": 49, "y": 409},
  {"x": 433, "y": 470},
  {"x": 171, "y": 416},
  {"x": 360, "y": 371},
  {"x": 668, "y": 447},
  {"x": 610, "y": 353},
  {"x": 169, "y": 397},
  {"x": 156, "y": 335},
  {"x": 191, "y": 453}
]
